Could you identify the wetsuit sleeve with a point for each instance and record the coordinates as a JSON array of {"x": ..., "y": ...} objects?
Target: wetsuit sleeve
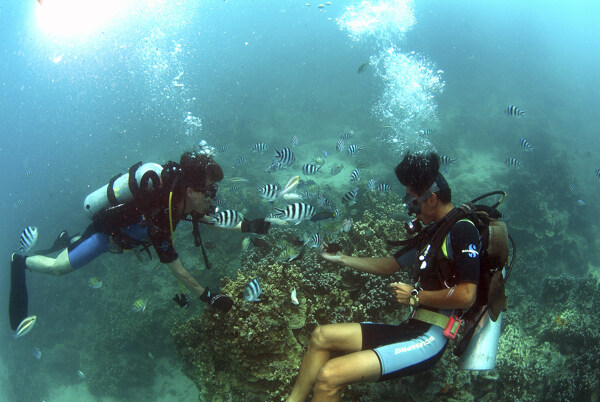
[
  {"x": 161, "y": 240},
  {"x": 466, "y": 246}
]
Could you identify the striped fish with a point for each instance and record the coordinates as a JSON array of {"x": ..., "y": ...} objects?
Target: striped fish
[
  {"x": 316, "y": 240},
  {"x": 597, "y": 171},
  {"x": 224, "y": 148},
  {"x": 294, "y": 141},
  {"x": 296, "y": 212},
  {"x": 525, "y": 145},
  {"x": 514, "y": 111},
  {"x": 25, "y": 326},
  {"x": 275, "y": 166},
  {"x": 28, "y": 238},
  {"x": 322, "y": 201},
  {"x": 355, "y": 175},
  {"x": 285, "y": 156},
  {"x": 513, "y": 162},
  {"x": 371, "y": 184},
  {"x": 310, "y": 169},
  {"x": 346, "y": 136},
  {"x": 427, "y": 132},
  {"x": 573, "y": 187},
  {"x": 226, "y": 219},
  {"x": 384, "y": 188},
  {"x": 350, "y": 197},
  {"x": 354, "y": 149},
  {"x": 446, "y": 160},
  {"x": 259, "y": 147},
  {"x": 268, "y": 191},
  {"x": 252, "y": 291},
  {"x": 340, "y": 145},
  {"x": 240, "y": 161}
]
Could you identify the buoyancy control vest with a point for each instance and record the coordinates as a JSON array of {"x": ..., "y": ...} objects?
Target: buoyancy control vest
[{"x": 494, "y": 258}]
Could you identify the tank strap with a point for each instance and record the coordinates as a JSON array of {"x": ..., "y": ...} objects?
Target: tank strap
[
  {"x": 110, "y": 191},
  {"x": 133, "y": 186},
  {"x": 431, "y": 317}
]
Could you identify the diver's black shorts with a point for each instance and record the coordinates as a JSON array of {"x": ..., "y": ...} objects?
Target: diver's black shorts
[{"x": 406, "y": 349}]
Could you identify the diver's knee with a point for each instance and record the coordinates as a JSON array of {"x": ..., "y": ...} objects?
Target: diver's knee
[
  {"x": 326, "y": 380},
  {"x": 61, "y": 268},
  {"x": 317, "y": 338}
]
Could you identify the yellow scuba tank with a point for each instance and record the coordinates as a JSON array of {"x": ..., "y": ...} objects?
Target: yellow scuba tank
[{"x": 121, "y": 188}]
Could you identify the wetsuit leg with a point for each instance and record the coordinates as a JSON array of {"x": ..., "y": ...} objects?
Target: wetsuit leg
[
  {"x": 87, "y": 248},
  {"x": 404, "y": 349}
]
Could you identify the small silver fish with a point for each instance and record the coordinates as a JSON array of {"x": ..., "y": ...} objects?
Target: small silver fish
[{"x": 25, "y": 326}]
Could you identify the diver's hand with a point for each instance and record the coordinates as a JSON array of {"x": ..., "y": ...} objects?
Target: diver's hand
[
  {"x": 182, "y": 300},
  {"x": 335, "y": 258},
  {"x": 220, "y": 301},
  {"x": 258, "y": 226},
  {"x": 401, "y": 291}
]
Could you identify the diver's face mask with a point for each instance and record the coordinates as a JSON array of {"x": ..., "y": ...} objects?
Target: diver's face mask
[
  {"x": 210, "y": 191},
  {"x": 413, "y": 204}
]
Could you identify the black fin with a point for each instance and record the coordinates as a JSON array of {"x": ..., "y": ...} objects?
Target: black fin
[{"x": 18, "y": 300}]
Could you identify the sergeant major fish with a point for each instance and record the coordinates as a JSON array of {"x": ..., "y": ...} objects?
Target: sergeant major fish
[
  {"x": 226, "y": 219},
  {"x": 285, "y": 156},
  {"x": 513, "y": 162},
  {"x": 350, "y": 197},
  {"x": 296, "y": 212},
  {"x": 354, "y": 149},
  {"x": 259, "y": 147},
  {"x": 269, "y": 191},
  {"x": 252, "y": 291},
  {"x": 310, "y": 169},
  {"x": 514, "y": 111},
  {"x": 525, "y": 145},
  {"x": 355, "y": 175},
  {"x": 28, "y": 239},
  {"x": 384, "y": 188}
]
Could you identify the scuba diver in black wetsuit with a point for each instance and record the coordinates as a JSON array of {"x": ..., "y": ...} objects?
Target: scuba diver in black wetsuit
[
  {"x": 341, "y": 354},
  {"x": 159, "y": 197}
]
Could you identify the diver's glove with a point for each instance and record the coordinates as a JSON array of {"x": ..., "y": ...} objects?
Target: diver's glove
[
  {"x": 258, "y": 226},
  {"x": 220, "y": 300},
  {"x": 183, "y": 300}
]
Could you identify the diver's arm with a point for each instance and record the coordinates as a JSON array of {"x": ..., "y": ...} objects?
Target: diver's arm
[
  {"x": 461, "y": 296},
  {"x": 371, "y": 265},
  {"x": 184, "y": 277}
]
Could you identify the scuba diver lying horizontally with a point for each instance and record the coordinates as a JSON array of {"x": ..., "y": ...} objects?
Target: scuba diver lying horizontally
[{"x": 135, "y": 210}]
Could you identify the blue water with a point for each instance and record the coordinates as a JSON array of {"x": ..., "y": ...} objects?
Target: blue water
[{"x": 154, "y": 80}]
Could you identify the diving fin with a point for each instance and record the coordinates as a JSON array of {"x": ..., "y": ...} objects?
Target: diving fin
[{"x": 18, "y": 299}]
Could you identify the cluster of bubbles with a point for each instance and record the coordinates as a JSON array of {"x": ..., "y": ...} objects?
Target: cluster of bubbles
[
  {"x": 170, "y": 99},
  {"x": 204, "y": 149},
  {"x": 408, "y": 100},
  {"x": 384, "y": 19},
  {"x": 411, "y": 81}
]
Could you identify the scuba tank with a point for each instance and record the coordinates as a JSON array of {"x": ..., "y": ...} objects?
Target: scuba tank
[
  {"x": 482, "y": 348},
  {"x": 123, "y": 187}
]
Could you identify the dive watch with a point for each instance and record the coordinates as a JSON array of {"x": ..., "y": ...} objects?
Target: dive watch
[{"x": 413, "y": 298}]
